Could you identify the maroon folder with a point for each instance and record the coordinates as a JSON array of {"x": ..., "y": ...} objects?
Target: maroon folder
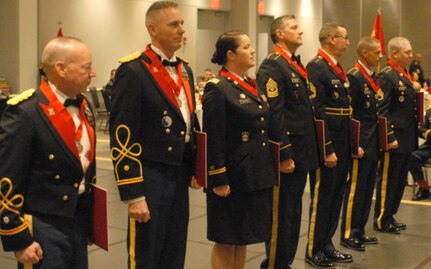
[
  {"x": 383, "y": 133},
  {"x": 201, "y": 158},
  {"x": 275, "y": 152},
  {"x": 320, "y": 131},
  {"x": 420, "y": 106},
  {"x": 355, "y": 133},
  {"x": 100, "y": 217}
]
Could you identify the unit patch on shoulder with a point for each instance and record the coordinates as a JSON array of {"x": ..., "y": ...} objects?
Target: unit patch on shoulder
[
  {"x": 130, "y": 57},
  {"x": 313, "y": 91},
  {"x": 21, "y": 97},
  {"x": 214, "y": 80},
  {"x": 272, "y": 88}
]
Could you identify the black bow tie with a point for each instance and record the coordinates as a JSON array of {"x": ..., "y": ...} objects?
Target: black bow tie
[
  {"x": 169, "y": 63},
  {"x": 296, "y": 58},
  {"x": 73, "y": 102}
]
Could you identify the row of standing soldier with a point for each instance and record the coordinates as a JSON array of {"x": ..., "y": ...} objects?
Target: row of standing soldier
[{"x": 151, "y": 129}]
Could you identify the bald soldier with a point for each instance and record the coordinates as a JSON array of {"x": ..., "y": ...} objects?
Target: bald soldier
[
  {"x": 151, "y": 142},
  {"x": 47, "y": 152}
]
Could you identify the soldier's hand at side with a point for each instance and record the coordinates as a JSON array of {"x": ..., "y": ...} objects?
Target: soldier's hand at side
[
  {"x": 331, "y": 160},
  {"x": 360, "y": 153},
  {"x": 393, "y": 145},
  {"x": 31, "y": 254},
  {"x": 222, "y": 190},
  {"x": 139, "y": 211},
  {"x": 287, "y": 166},
  {"x": 194, "y": 183}
]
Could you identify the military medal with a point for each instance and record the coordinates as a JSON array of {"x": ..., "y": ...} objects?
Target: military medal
[
  {"x": 166, "y": 121},
  {"x": 79, "y": 146},
  {"x": 179, "y": 101}
]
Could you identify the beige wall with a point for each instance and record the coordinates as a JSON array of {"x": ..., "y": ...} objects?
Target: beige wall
[
  {"x": 115, "y": 28},
  {"x": 9, "y": 41}
]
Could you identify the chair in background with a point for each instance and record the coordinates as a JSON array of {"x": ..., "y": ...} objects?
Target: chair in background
[{"x": 100, "y": 113}]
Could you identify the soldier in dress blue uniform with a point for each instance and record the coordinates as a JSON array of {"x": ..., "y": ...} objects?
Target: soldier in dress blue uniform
[
  {"x": 398, "y": 105},
  {"x": 364, "y": 91},
  {"x": 240, "y": 168},
  {"x": 330, "y": 84},
  {"x": 47, "y": 150},
  {"x": 151, "y": 124},
  {"x": 292, "y": 125}
]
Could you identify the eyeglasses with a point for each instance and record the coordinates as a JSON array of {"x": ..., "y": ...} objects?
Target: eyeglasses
[{"x": 343, "y": 37}]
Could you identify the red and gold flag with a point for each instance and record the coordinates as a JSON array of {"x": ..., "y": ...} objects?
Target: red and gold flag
[{"x": 378, "y": 31}]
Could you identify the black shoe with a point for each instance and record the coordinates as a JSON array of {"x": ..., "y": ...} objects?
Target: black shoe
[
  {"x": 399, "y": 225},
  {"x": 319, "y": 261},
  {"x": 390, "y": 229},
  {"x": 367, "y": 240},
  {"x": 352, "y": 243},
  {"x": 337, "y": 256},
  {"x": 422, "y": 194}
]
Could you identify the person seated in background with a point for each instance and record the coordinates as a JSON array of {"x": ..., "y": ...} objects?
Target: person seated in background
[
  {"x": 416, "y": 84},
  {"x": 108, "y": 86},
  {"x": 415, "y": 67},
  {"x": 419, "y": 158},
  {"x": 208, "y": 74}
]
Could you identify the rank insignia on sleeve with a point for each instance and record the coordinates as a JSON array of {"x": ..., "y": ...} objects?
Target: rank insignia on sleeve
[
  {"x": 272, "y": 88},
  {"x": 214, "y": 80}
]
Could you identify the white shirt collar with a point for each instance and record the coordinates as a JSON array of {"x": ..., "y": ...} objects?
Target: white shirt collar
[
  {"x": 162, "y": 55},
  {"x": 330, "y": 56},
  {"x": 60, "y": 96},
  {"x": 369, "y": 72},
  {"x": 236, "y": 75}
]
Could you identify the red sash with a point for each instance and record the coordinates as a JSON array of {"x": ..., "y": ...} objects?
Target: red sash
[
  {"x": 298, "y": 67},
  {"x": 165, "y": 81},
  {"x": 62, "y": 121},
  {"x": 337, "y": 68},
  {"x": 373, "y": 83},
  {"x": 399, "y": 69},
  {"x": 250, "y": 88}
]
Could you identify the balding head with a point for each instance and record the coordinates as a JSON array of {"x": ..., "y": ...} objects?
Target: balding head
[
  {"x": 59, "y": 49},
  {"x": 66, "y": 61}
]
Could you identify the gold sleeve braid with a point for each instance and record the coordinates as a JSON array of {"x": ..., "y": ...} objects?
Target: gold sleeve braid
[
  {"x": 123, "y": 156},
  {"x": 12, "y": 204}
]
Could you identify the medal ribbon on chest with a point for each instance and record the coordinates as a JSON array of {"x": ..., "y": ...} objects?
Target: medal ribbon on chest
[
  {"x": 301, "y": 70},
  {"x": 337, "y": 68},
  {"x": 373, "y": 83},
  {"x": 251, "y": 88}
]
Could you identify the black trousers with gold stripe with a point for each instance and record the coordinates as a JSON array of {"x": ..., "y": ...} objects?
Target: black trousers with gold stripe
[
  {"x": 161, "y": 242},
  {"x": 287, "y": 212},
  {"x": 63, "y": 240},
  {"x": 392, "y": 178},
  {"x": 327, "y": 190},
  {"x": 358, "y": 197}
]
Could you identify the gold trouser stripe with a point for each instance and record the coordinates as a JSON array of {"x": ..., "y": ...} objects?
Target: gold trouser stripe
[
  {"x": 132, "y": 235},
  {"x": 383, "y": 189},
  {"x": 348, "y": 225},
  {"x": 274, "y": 236},
  {"x": 29, "y": 220},
  {"x": 313, "y": 214}
]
